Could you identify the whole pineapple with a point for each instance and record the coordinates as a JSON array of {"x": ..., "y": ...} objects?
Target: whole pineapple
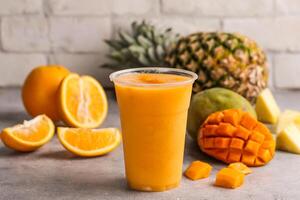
[{"x": 226, "y": 60}]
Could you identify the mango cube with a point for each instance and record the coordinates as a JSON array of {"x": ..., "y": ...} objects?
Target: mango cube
[
  {"x": 198, "y": 170},
  {"x": 229, "y": 178},
  {"x": 289, "y": 139},
  {"x": 239, "y": 166},
  {"x": 266, "y": 107}
]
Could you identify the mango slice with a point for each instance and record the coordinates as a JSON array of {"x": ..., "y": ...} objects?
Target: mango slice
[
  {"x": 289, "y": 139},
  {"x": 198, "y": 170},
  {"x": 229, "y": 178},
  {"x": 266, "y": 107},
  {"x": 240, "y": 167}
]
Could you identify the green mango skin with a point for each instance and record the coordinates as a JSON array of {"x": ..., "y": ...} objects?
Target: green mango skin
[{"x": 212, "y": 100}]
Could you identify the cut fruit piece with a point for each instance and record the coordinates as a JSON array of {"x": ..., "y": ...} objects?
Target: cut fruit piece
[
  {"x": 286, "y": 118},
  {"x": 240, "y": 167},
  {"x": 229, "y": 178},
  {"x": 30, "y": 135},
  {"x": 82, "y": 101},
  {"x": 266, "y": 107},
  {"x": 246, "y": 140},
  {"x": 289, "y": 139},
  {"x": 89, "y": 142},
  {"x": 198, "y": 170}
]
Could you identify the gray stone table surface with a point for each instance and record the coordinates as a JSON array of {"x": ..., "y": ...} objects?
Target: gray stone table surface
[{"x": 53, "y": 173}]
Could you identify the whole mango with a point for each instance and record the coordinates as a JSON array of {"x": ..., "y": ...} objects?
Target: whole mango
[{"x": 212, "y": 100}]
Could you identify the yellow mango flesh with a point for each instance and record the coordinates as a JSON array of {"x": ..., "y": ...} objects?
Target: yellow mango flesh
[
  {"x": 229, "y": 178},
  {"x": 198, "y": 170},
  {"x": 239, "y": 166}
]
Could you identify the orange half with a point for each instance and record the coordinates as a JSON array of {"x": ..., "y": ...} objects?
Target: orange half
[
  {"x": 89, "y": 142},
  {"x": 82, "y": 101},
  {"x": 30, "y": 135}
]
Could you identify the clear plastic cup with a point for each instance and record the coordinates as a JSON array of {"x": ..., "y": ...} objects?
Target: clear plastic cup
[{"x": 153, "y": 105}]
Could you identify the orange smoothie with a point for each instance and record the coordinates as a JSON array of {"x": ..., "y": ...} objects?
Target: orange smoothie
[{"x": 153, "y": 111}]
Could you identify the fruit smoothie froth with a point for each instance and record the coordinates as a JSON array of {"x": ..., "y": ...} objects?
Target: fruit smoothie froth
[
  {"x": 144, "y": 78},
  {"x": 153, "y": 109}
]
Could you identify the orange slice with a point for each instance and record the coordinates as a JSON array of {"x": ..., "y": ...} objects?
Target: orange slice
[
  {"x": 89, "y": 142},
  {"x": 30, "y": 135},
  {"x": 82, "y": 101}
]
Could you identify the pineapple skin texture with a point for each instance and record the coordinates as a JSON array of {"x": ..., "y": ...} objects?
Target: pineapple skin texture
[{"x": 227, "y": 60}]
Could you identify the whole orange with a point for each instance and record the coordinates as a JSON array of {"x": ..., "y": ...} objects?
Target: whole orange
[{"x": 39, "y": 92}]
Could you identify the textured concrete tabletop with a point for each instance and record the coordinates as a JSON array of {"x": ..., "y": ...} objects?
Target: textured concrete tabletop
[{"x": 53, "y": 173}]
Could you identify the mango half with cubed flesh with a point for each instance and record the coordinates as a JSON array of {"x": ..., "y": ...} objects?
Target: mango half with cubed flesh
[
  {"x": 235, "y": 136},
  {"x": 212, "y": 100},
  {"x": 289, "y": 139},
  {"x": 266, "y": 107}
]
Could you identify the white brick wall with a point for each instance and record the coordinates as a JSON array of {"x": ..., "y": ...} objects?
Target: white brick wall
[
  {"x": 182, "y": 25},
  {"x": 77, "y": 34},
  {"x": 275, "y": 34},
  {"x": 288, "y": 7},
  {"x": 135, "y": 7},
  {"x": 79, "y": 7},
  {"x": 18, "y": 7},
  {"x": 25, "y": 34},
  {"x": 83, "y": 64},
  {"x": 71, "y": 32},
  {"x": 14, "y": 67},
  {"x": 287, "y": 70},
  {"x": 219, "y": 8}
]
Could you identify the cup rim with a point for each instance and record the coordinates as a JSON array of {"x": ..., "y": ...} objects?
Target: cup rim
[{"x": 155, "y": 70}]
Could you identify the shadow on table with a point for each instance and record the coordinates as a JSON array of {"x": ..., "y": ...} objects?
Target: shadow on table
[
  {"x": 14, "y": 117},
  {"x": 64, "y": 155},
  {"x": 92, "y": 181},
  {"x": 57, "y": 155},
  {"x": 6, "y": 152}
]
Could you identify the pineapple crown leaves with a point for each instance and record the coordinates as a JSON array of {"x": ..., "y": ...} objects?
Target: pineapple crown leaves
[{"x": 144, "y": 45}]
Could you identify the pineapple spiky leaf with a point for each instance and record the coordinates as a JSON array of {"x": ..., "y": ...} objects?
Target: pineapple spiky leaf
[
  {"x": 144, "y": 45},
  {"x": 114, "y": 44}
]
